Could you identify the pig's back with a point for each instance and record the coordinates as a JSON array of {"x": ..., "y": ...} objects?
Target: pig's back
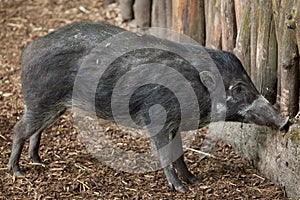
[{"x": 50, "y": 63}]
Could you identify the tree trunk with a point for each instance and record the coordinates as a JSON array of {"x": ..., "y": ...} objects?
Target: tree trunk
[
  {"x": 189, "y": 18},
  {"x": 243, "y": 49},
  {"x": 213, "y": 24},
  {"x": 142, "y": 12},
  {"x": 228, "y": 25},
  {"x": 161, "y": 13}
]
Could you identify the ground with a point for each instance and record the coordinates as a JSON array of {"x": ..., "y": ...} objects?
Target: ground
[{"x": 68, "y": 170}]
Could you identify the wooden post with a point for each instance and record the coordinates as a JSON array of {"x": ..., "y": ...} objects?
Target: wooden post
[
  {"x": 109, "y": 1},
  {"x": 126, "y": 9},
  {"x": 161, "y": 13},
  {"x": 240, "y": 6},
  {"x": 278, "y": 14},
  {"x": 228, "y": 25},
  {"x": 254, "y": 15},
  {"x": 298, "y": 25},
  {"x": 289, "y": 61},
  {"x": 197, "y": 21},
  {"x": 189, "y": 18},
  {"x": 242, "y": 49},
  {"x": 213, "y": 24},
  {"x": 142, "y": 12},
  {"x": 266, "y": 55}
]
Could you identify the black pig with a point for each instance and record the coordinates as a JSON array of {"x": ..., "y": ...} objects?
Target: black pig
[{"x": 50, "y": 65}]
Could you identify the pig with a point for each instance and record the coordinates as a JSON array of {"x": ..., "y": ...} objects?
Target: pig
[{"x": 50, "y": 64}]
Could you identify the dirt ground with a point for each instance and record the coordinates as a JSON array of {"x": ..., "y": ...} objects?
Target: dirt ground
[{"x": 68, "y": 170}]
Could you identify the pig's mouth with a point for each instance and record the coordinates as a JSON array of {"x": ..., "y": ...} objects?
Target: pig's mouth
[
  {"x": 278, "y": 124},
  {"x": 261, "y": 112}
]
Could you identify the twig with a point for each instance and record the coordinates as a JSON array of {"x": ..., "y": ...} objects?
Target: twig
[
  {"x": 83, "y": 184},
  {"x": 201, "y": 152},
  {"x": 2, "y": 137},
  {"x": 263, "y": 179},
  {"x": 37, "y": 164}
]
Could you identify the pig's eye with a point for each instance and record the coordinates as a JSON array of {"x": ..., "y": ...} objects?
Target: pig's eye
[{"x": 236, "y": 90}]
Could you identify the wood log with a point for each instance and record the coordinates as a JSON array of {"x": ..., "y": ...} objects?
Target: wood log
[
  {"x": 266, "y": 55},
  {"x": 242, "y": 49},
  {"x": 126, "y": 9},
  {"x": 289, "y": 60},
  {"x": 229, "y": 31},
  {"x": 142, "y": 12},
  {"x": 213, "y": 24},
  {"x": 161, "y": 15},
  {"x": 189, "y": 18}
]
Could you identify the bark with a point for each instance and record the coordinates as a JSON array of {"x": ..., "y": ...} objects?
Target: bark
[
  {"x": 161, "y": 13},
  {"x": 213, "y": 24},
  {"x": 126, "y": 9},
  {"x": 242, "y": 49},
  {"x": 142, "y": 12},
  {"x": 189, "y": 18},
  {"x": 228, "y": 25}
]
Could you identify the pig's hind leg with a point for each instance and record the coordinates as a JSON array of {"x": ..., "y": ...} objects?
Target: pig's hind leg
[
  {"x": 31, "y": 125},
  {"x": 34, "y": 144}
]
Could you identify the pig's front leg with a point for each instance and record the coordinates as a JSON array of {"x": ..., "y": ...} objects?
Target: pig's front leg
[
  {"x": 184, "y": 171},
  {"x": 167, "y": 147},
  {"x": 173, "y": 180}
]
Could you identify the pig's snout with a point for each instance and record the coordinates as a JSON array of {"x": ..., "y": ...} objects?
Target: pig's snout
[
  {"x": 261, "y": 112},
  {"x": 280, "y": 123}
]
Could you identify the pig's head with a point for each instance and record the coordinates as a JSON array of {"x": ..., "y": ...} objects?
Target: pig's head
[{"x": 244, "y": 102}]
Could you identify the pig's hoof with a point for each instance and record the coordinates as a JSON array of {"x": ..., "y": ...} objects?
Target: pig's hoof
[
  {"x": 19, "y": 174},
  {"x": 182, "y": 189},
  {"x": 35, "y": 158},
  {"x": 193, "y": 180}
]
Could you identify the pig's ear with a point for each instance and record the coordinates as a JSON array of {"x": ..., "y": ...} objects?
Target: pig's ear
[{"x": 208, "y": 80}]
